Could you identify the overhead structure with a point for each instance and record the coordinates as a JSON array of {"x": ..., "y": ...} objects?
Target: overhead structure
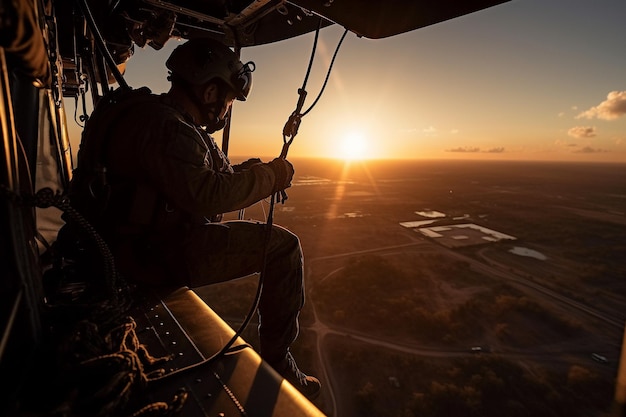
[{"x": 256, "y": 22}]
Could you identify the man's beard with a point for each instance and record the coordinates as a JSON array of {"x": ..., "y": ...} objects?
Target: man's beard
[{"x": 217, "y": 124}]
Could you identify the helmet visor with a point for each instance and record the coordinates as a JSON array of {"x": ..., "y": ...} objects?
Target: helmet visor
[{"x": 242, "y": 80}]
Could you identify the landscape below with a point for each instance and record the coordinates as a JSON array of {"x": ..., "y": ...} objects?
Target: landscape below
[{"x": 399, "y": 323}]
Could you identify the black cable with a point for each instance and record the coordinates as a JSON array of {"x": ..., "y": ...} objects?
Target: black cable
[
  {"x": 332, "y": 62},
  {"x": 293, "y": 123},
  {"x": 270, "y": 217},
  {"x": 268, "y": 235},
  {"x": 282, "y": 195},
  {"x": 315, "y": 40}
]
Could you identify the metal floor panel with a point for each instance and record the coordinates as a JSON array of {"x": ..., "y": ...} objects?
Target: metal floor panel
[{"x": 182, "y": 326}]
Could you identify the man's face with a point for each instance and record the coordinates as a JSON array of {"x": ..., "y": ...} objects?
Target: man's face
[
  {"x": 217, "y": 104},
  {"x": 228, "y": 102}
]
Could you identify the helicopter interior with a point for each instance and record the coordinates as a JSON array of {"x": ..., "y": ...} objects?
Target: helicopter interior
[{"x": 62, "y": 341}]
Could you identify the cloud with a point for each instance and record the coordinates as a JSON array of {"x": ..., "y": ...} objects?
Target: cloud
[
  {"x": 496, "y": 150},
  {"x": 582, "y": 132},
  {"x": 589, "y": 149},
  {"x": 471, "y": 149},
  {"x": 610, "y": 109},
  {"x": 464, "y": 150}
]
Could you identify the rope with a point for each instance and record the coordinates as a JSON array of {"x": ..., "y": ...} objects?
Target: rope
[{"x": 111, "y": 372}]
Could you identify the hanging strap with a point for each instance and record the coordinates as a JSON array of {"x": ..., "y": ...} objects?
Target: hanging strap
[{"x": 293, "y": 122}]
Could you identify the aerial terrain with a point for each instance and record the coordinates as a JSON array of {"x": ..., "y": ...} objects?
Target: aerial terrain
[{"x": 455, "y": 288}]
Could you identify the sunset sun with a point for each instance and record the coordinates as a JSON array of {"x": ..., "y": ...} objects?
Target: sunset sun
[{"x": 353, "y": 146}]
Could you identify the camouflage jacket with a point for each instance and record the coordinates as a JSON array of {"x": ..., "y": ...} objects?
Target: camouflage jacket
[{"x": 144, "y": 165}]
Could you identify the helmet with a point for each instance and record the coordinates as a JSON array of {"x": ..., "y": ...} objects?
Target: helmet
[{"x": 200, "y": 60}]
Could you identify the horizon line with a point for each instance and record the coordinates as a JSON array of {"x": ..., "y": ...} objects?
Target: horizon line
[{"x": 434, "y": 159}]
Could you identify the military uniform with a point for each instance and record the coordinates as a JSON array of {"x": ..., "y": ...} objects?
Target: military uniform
[{"x": 155, "y": 185}]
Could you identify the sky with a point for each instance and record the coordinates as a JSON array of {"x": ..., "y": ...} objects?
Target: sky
[{"x": 524, "y": 80}]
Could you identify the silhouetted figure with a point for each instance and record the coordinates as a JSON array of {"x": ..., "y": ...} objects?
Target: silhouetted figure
[{"x": 154, "y": 183}]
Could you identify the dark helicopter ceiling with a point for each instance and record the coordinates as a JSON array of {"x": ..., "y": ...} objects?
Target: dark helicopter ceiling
[
  {"x": 240, "y": 23},
  {"x": 256, "y": 22}
]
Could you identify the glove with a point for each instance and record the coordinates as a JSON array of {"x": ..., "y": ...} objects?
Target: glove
[
  {"x": 247, "y": 164},
  {"x": 283, "y": 171}
]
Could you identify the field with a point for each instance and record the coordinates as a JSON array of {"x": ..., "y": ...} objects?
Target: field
[{"x": 398, "y": 323}]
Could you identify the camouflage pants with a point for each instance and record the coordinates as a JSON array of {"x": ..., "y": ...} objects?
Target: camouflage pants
[{"x": 225, "y": 251}]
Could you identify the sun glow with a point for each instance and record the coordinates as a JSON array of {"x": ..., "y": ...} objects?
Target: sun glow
[{"x": 353, "y": 146}]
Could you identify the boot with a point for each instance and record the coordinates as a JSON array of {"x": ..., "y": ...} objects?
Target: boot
[{"x": 309, "y": 386}]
